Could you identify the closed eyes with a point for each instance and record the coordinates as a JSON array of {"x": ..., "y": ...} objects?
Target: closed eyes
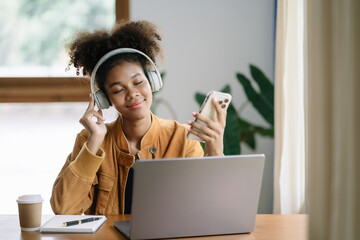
[
  {"x": 121, "y": 90},
  {"x": 118, "y": 91},
  {"x": 138, "y": 83}
]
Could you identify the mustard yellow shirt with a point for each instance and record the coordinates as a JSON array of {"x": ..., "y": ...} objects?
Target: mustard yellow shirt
[{"x": 95, "y": 184}]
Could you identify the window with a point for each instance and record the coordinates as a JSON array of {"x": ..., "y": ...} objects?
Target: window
[
  {"x": 38, "y": 127},
  {"x": 33, "y": 33}
]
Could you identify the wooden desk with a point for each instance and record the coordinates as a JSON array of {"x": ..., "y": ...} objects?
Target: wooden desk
[{"x": 268, "y": 226}]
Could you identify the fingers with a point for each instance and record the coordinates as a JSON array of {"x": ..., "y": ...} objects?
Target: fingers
[
  {"x": 211, "y": 135},
  {"x": 220, "y": 113},
  {"x": 202, "y": 132},
  {"x": 90, "y": 113},
  {"x": 203, "y": 129},
  {"x": 210, "y": 131},
  {"x": 99, "y": 116},
  {"x": 91, "y": 102}
]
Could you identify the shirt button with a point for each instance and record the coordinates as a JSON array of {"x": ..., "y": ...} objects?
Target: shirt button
[{"x": 153, "y": 150}]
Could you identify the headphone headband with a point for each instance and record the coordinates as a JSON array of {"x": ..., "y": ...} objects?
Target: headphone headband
[{"x": 155, "y": 85}]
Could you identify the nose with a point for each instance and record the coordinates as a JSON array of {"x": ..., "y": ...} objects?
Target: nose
[{"x": 132, "y": 93}]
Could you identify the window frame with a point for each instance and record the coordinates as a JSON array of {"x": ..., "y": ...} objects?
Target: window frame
[{"x": 53, "y": 89}]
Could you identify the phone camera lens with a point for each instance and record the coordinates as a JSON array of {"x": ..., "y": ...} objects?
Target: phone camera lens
[
  {"x": 220, "y": 102},
  {"x": 223, "y": 106},
  {"x": 226, "y": 100}
]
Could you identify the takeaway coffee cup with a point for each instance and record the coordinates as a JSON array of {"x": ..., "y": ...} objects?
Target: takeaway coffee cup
[{"x": 30, "y": 212}]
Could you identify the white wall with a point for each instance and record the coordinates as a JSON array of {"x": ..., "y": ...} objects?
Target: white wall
[{"x": 206, "y": 42}]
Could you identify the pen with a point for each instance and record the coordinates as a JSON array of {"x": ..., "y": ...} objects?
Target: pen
[{"x": 80, "y": 221}]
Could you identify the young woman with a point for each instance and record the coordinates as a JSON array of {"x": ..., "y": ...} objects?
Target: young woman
[{"x": 97, "y": 175}]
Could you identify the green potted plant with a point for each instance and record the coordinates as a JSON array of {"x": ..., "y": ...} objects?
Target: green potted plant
[{"x": 238, "y": 130}]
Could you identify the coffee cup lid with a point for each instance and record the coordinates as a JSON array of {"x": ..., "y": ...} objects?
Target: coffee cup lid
[{"x": 30, "y": 198}]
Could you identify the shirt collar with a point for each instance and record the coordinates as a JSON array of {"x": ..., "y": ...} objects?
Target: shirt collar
[{"x": 148, "y": 140}]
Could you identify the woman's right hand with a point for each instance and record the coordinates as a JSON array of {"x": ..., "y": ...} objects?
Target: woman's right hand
[{"x": 97, "y": 130}]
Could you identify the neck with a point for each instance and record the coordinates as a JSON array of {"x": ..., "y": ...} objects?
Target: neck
[{"x": 134, "y": 130}]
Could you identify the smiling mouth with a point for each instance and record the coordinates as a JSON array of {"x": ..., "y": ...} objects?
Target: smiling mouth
[{"x": 135, "y": 105}]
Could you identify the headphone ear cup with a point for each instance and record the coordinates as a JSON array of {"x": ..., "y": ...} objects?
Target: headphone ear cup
[
  {"x": 155, "y": 81},
  {"x": 101, "y": 100}
]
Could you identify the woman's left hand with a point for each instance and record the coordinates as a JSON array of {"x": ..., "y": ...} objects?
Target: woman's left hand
[{"x": 213, "y": 133}]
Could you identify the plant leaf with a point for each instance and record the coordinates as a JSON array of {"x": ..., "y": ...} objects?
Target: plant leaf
[
  {"x": 265, "y": 85},
  {"x": 162, "y": 75},
  {"x": 199, "y": 98},
  {"x": 266, "y": 132},
  {"x": 246, "y": 133},
  {"x": 231, "y": 141},
  {"x": 226, "y": 89},
  {"x": 251, "y": 142},
  {"x": 261, "y": 104}
]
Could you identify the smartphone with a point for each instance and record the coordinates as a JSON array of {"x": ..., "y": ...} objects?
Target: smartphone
[{"x": 208, "y": 109}]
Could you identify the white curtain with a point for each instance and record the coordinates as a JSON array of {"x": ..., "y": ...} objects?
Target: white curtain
[
  {"x": 333, "y": 132},
  {"x": 289, "y": 175}
]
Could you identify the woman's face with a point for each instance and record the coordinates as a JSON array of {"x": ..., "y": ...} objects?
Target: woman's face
[{"x": 129, "y": 90}]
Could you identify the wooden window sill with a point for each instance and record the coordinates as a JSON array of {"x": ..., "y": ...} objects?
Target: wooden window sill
[{"x": 44, "y": 89}]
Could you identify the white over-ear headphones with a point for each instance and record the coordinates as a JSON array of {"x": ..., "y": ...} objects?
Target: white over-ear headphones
[{"x": 154, "y": 77}]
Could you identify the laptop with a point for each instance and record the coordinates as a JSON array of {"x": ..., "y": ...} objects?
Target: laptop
[{"x": 188, "y": 197}]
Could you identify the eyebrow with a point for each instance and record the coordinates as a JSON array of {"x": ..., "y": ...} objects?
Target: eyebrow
[
  {"x": 116, "y": 83},
  {"x": 135, "y": 75}
]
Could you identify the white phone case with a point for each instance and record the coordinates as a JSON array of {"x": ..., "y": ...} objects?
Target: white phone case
[{"x": 208, "y": 109}]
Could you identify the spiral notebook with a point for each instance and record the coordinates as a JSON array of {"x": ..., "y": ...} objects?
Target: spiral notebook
[{"x": 55, "y": 224}]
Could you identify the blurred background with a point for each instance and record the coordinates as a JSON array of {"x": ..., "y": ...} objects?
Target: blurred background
[{"x": 206, "y": 44}]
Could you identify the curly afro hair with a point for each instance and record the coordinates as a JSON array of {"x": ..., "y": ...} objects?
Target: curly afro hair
[{"x": 88, "y": 47}]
